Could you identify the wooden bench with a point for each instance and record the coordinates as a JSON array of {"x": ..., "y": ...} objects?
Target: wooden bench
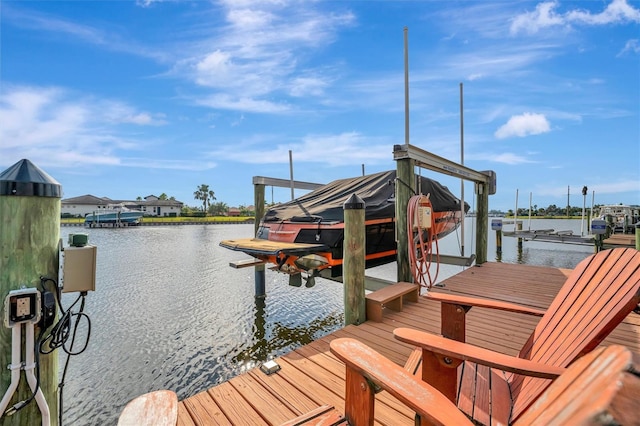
[{"x": 391, "y": 297}]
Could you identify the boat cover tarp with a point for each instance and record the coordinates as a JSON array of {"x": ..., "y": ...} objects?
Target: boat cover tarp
[{"x": 377, "y": 191}]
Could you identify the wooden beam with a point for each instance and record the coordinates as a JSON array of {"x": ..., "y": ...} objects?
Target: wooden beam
[{"x": 284, "y": 183}]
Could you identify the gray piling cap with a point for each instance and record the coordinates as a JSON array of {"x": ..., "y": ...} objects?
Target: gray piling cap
[
  {"x": 354, "y": 203},
  {"x": 25, "y": 179}
]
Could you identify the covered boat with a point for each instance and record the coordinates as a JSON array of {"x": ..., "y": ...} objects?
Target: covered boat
[{"x": 306, "y": 234}]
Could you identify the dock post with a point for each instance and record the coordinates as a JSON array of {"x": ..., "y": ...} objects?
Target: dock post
[
  {"x": 29, "y": 249},
  {"x": 259, "y": 271},
  {"x": 638, "y": 236},
  {"x": 353, "y": 263},
  {"x": 519, "y": 228},
  {"x": 405, "y": 189},
  {"x": 496, "y": 225},
  {"x": 482, "y": 222}
]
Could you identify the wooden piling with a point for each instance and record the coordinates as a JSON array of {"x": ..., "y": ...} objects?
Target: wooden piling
[
  {"x": 638, "y": 236},
  {"x": 482, "y": 223},
  {"x": 354, "y": 261},
  {"x": 29, "y": 238},
  {"x": 259, "y": 271},
  {"x": 405, "y": 177}
]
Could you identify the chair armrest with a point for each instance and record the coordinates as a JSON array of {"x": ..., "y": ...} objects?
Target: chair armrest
[
  {"x": 463, "y": 351},
  {"x": 483, "y": 303},
  {"x": 414, "y": 393}
]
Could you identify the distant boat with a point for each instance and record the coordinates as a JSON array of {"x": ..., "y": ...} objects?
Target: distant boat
[
  {"x": 307, "y": 234},
  {"x": 623, "y": 217},
  {"x": 115, "y": 215}
]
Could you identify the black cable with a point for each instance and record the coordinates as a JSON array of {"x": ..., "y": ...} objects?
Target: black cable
[{"x": 37, "y": 346}]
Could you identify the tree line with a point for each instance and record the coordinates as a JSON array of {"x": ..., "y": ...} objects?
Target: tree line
[{"x": 552, "y": 210}]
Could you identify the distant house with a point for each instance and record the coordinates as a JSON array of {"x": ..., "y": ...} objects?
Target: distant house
[
  {"x": 245, "y": 211},
  {"x": 151, "y": 205}
]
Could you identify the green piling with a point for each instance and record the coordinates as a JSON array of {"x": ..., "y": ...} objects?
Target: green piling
[
  {"x": 353, "y": 264},
  {"x": 29, "y": 238}
]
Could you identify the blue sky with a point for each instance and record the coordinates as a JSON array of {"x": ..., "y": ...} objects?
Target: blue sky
[{"x": 125, "y": 99}]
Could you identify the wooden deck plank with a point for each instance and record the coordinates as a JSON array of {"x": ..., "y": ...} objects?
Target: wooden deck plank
[
  {"x": 270, "y": 407},
  {"x": 311, "y": 376},
  {"x": 234, "y": 406},
  {"x": 202, "y": 408}
]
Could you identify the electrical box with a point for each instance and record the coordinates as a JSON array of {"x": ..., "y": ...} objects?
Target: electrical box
[
  {"x": 423, "y": 219},
  {"x": 79, "y": 269},
  {"x": 22, "y": 306}
]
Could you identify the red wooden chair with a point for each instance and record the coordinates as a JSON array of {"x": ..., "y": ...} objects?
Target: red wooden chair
[
  {"x": 492, "y": 388},
  {"x": 602, "y": 387}
]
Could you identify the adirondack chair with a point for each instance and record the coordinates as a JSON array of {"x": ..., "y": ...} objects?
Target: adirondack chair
[
  {"x": 493, "y": 388},
  {"x": 602, "y": 387}
]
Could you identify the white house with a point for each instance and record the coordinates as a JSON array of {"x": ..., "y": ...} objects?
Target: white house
[{"x": 151, "y": 205}]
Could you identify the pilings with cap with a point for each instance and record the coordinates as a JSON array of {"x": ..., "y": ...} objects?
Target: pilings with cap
[
  {"x": 354, "y": 261},
  {"x": 29, "y": 239}
]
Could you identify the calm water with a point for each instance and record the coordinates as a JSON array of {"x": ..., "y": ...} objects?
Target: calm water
[{"x": 169, "y": 313}]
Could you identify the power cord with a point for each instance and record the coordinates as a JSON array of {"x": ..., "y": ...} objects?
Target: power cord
[
  {"x": 58, "y": 337},
  {"x": 65, "y": 328}
]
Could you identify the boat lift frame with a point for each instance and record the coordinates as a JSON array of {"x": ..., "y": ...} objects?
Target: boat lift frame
[{"x": 407, "y": 156}]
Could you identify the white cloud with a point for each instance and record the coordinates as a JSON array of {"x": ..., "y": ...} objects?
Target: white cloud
[
  {"x": 531, "y": 22},
  {"x": 54, "y": 127},
  {"x": 618, "y": 11},
  {"x": 504, "y": 158},
  {"x": 329, "y": 149},
  {"x": 258, "y": 53},
  {"x": 631, "y": 46},
  {"x": 545, "y": 16},
  {"x": 241, "y": 103},
  {"x": 524, "y": 125}
]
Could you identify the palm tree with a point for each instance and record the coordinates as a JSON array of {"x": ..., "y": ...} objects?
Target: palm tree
[{"x": 204, "y": 194}]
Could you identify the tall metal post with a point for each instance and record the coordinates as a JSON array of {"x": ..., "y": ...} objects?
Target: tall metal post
[
  {"x": 354, "y": 261},
  {"x": 29, "y": 240}
]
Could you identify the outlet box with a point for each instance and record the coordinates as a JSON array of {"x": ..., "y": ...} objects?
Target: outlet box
[
  {"x": 79, "y": 269},
  {"x": 423, "y": 217},
  {"x": 22, "y": 306}
]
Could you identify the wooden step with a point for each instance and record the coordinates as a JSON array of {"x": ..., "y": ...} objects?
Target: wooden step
[{"x": 391, "y": 297}]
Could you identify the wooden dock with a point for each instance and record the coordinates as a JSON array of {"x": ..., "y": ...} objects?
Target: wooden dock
[{"x": 311, "y": 376}]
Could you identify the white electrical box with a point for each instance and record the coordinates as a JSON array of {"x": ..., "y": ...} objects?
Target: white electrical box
[
  {"x": 79, "y": 269},
  {"x": 423, "y": 219},
  {"x": 21, "y": 306}
]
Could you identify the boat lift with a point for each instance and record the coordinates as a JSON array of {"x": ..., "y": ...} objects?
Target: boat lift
[{"x": 407, "y": 156}]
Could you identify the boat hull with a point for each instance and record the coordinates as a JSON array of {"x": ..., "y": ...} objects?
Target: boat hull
[
  {"x": 296, "y": 247},
  {"x": 128, "y": 218},
  {"x": 314, "y": 224}
]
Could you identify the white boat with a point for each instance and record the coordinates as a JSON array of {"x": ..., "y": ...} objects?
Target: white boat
[
  {"x": 622, "y": 217},
  {"x": 115, "y": 215}
]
